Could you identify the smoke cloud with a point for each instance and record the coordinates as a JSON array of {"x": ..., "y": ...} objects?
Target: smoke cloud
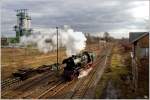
[{"x": 73, "y": 41}]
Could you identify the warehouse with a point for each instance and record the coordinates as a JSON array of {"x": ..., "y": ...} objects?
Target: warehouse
[{"x": 140, "y": 60}]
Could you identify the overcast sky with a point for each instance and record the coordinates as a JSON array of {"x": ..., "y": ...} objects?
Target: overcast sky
[{"x": 94, "y": 16}]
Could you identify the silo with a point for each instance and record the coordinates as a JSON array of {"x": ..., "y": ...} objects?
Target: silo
[
  {"x": 24, "y": 21},
  {"x": 23, "y": 26},
  {"x": 18, "y": 19},
  {"x": 29, "y": 22}
]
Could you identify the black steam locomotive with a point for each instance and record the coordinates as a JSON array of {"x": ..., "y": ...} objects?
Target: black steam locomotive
[{"x": 75, "y": 63}]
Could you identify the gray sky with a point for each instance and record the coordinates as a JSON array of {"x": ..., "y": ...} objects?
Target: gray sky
[{"x": 94, "y": 16}]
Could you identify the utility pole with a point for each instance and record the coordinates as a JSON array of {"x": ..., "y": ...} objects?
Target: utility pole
[{"x": 57, "y": 46}]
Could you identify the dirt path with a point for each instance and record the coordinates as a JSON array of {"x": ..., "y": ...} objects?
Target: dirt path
[{"x": 111, "y": 91}]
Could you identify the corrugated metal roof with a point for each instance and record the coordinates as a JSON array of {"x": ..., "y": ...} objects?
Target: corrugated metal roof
[{"x": 134, "y": 36}]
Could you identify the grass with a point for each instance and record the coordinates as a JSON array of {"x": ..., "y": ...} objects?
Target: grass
[
  {"x": 14, "y": 58},
  {"x": 102, "y": 85},
  {"x": 114, "y": 71}
]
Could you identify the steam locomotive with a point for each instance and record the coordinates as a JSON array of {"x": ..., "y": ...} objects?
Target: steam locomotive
[{"x": 76, "y": 63}]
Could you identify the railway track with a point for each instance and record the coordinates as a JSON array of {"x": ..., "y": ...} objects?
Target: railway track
[
  {"x": 16, "y": 82},
  {"x": 40, "y": 89},
  {"x": 10, "y": 83},
  {"x": 60, "y": 85},
  {"x": 81, "y": 89},
  {"x": 44, "y": 94},
  {"x": 31, "y": 83},
  {"x": 26, "y": 85},
  {"x": 52, "y": 91}
]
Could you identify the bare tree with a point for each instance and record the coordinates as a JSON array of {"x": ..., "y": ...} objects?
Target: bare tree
[{"x": 106, "y": 36}]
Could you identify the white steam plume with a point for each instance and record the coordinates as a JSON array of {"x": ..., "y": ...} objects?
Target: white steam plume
[
  {"x": 84, "y": 73},
  {"x": 73, "y": 41}
]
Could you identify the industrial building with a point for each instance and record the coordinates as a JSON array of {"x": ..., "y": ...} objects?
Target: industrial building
[{"x": 23, "y": 26}]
